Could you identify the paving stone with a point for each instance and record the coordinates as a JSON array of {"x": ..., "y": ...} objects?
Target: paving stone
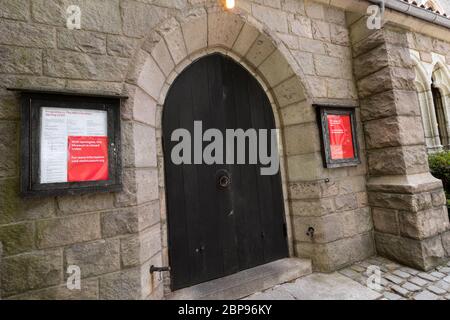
[
  {"x": 444, "y": 285},
  {"x": 444, "y": 269},
  {"x": 383, "y": 260},
  {"x": 380, "y": 289},
  {"x": 373, "y": 261},
  {"x": 384, "y": 269},
  {"x": 409, "y": 270},
  {"x": 391, "y": 296},
  {"x": 411, "y": 287},
  {"x": 418, "y": 281},
  {"x": 358, "y": 268},
  {"x": 399, "y": 283},
  {"x": 437, "y": 290},
  {"x": 352, "y": 274},
  {"x": 426, "y": 295},
  {"x": 427, "y": 276},
  {"x": 333, "y": 286},
  {"x": 402, "y": 291},
  {"x": 401, "y": 274},
  {"x": 362, "y": 280},
  {"x": 384, "y": 282},
  {"x": 392, "y": 266},
  {"x": 273, "y": 294},
  {"x": 365, "y": 264},
  {"x": 437, "y": 274},
  {"x": 394, "y": 279}
]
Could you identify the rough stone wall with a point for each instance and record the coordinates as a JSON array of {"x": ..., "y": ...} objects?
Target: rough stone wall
[
  {"x": 318, "y": 39},
  {"x": 408, "y": 204},
  {"x": 252, "y": 44},
  {"x": 114, "y": 238}
]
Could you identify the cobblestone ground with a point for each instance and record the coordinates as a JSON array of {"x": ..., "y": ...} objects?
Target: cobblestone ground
[
  {"x": 397, "y": 282},
  {"x": 401, "y": 283}
]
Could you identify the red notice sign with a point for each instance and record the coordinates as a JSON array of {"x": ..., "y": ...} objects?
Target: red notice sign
[
  {"x": 87, "y": 158},
  {"x": 341, "y": 137}
]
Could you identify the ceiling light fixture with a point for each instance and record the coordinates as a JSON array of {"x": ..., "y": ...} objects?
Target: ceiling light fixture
[{"x": 229, "y": 4}]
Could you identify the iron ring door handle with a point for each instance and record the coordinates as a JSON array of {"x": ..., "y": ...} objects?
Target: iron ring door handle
[{"x": 223, "y": 179}]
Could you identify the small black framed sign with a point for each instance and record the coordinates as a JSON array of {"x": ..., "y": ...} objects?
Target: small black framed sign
[
  {"x": 338, "y": 136},
  {"x": 70, "y": 143}
]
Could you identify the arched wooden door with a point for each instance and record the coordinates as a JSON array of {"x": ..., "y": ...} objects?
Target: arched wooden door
[{"x": 216, "y": 230}]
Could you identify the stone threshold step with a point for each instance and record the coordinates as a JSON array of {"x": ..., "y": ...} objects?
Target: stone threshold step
[{"x": 246, "y": 282}]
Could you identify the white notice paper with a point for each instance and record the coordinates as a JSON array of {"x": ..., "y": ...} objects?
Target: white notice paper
[{"x": 57, "y": 124}]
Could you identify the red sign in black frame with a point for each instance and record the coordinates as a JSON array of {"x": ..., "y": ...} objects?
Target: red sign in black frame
[
  {"x": 338, "y": 136},
  {"x": 32, "y": 101},
  {"x": 87, "y": 159}
]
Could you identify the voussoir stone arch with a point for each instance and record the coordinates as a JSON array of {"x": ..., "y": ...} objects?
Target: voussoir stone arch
[
  {"x": 422, "y": 80},
  {"x": 441, "y": 77},
  {"x": 178, "y": 42}
]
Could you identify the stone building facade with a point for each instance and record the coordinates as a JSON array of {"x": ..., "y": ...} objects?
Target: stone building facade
[{"x": 302, "y": 53}]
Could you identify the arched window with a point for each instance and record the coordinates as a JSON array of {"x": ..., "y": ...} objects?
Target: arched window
[
  {"x": 433, "y": 91},
  {"x": 440, "y": 114},
  {"x": 424, "y": 95}
]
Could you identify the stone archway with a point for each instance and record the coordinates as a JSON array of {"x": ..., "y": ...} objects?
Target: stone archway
[
  {"x": 223, "y": 216},
  {"x": 423, "y": 87},
  {"x": 168, "y": 50},
  {"x": 424, "y": 76},
  {"x": 441, "y": 82}
]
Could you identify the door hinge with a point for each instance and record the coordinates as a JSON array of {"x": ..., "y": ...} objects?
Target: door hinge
[{"x": 158, "y": 269}]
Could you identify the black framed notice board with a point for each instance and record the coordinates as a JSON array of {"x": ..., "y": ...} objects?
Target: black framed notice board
[
  {"x": 338, "y": 134},
  {"x": 70, "y": 143}
]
